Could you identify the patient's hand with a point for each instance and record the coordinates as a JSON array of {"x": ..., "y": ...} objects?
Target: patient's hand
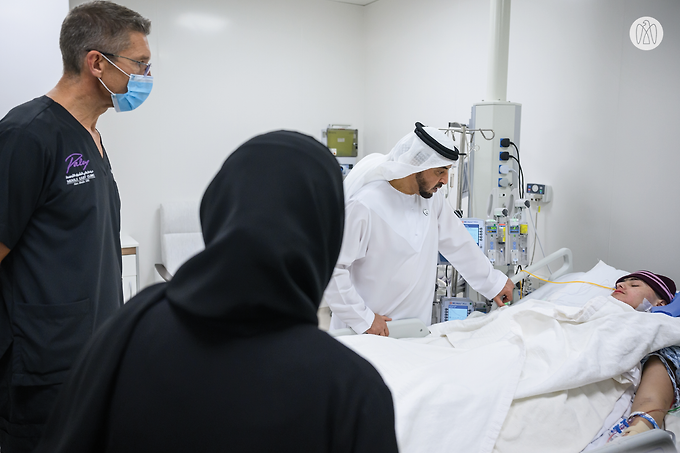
[
  {"x": 505, "y": 295},
  {"x": 640, "y": 427},
  {"x": 379, "y": 326}
]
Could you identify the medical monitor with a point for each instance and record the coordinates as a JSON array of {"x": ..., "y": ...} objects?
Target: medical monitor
[
  {"x": 453, "y": 308},
  {"x": 476, "y": 229}
]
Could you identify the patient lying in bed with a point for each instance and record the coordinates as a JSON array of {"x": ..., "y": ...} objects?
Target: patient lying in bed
[
  {"x": 658, "y": 391},
  {"x": 544, "y": 375}
]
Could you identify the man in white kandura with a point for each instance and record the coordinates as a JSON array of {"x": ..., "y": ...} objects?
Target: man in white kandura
[{"x": 395, "y": 223}]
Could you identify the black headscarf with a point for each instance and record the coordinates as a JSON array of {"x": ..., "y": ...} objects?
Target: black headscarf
[
  {"x": 232, "y": 340},
  {"x": 272, "y": 222}
]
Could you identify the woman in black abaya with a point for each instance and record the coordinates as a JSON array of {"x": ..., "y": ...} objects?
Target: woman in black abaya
[{"x": 227, "y": 356}]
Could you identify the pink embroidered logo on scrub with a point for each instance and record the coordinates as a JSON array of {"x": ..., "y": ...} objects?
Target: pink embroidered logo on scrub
[{"x": 76, "y": 162}]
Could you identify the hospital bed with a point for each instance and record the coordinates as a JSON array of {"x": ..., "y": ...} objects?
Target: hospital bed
[
  {"x": 415, "y": 328},
  {"x": 436, "y": 386}
]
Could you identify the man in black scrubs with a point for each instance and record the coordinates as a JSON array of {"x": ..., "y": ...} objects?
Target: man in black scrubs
[{"x": 60, "y": 260}]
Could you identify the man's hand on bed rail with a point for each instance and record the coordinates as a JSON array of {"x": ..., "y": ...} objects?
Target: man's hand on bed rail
[
  {"x": 505, "y": 295},
  {"x": 379, "y": 326}
]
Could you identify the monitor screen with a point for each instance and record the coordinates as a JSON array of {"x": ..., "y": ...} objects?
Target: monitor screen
[
  {"x": 474, "y": 231},
  {"x": 456, "y": 312}
]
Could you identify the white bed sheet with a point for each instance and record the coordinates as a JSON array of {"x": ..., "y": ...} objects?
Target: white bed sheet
[
  {"x": 436, "y": 395},
  {"x": 562, "y": 363}
]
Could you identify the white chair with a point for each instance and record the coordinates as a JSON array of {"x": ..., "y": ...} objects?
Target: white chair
[{"x": 181, "y": 236}]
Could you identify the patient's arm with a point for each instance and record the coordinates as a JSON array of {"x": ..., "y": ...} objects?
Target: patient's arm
[{"x": 655, "y": 394}]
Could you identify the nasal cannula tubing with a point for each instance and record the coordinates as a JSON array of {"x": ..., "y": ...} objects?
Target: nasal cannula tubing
[{"x": 562, "y": 283}]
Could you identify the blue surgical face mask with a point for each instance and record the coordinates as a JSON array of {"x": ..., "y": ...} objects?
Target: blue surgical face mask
[{"x": 138, "y": 89}]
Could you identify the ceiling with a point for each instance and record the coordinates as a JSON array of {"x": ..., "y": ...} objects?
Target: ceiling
[{"x": 356, "y": 2}]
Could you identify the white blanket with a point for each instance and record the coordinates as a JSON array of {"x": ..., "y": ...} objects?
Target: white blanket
[{"x": 563, "y": 368}]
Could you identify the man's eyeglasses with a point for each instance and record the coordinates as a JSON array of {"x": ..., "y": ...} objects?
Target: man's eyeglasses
[{"x": 144, "y": 68}]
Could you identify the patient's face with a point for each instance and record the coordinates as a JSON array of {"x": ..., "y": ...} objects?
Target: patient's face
[{"x": 633, "y": 291}]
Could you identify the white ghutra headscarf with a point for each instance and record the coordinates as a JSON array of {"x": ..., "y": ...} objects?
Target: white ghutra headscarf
[{"x": 410, "y": 155}]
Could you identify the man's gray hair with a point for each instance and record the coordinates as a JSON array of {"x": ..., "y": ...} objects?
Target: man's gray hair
[{"x": 98, "y": 25}]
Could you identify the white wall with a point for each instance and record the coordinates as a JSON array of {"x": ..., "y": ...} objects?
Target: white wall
[
  {"x": 225, "y": 71},
  {"x": 598, "y": 113},
  {"x": 426, "y": 61},
  {"x": 598, "y": 116},
  {"x": 29, "y": 49}
]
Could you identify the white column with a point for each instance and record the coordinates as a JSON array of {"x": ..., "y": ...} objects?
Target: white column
[{"x": 499, "y": 37}]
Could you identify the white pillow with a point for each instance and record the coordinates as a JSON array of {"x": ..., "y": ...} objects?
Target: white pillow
[{"x": 577, "y": 294}]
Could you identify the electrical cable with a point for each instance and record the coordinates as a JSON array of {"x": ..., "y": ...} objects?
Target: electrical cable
[
  {"x": 520, "y": 177},
  {"x": 515, "y": 148},
  {"x": 520, "y": 170}
]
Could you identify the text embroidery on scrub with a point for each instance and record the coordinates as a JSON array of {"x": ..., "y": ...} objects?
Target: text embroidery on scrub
[
  {"x": 79, "y": 178},
  {"x": 75, "y": 160}
]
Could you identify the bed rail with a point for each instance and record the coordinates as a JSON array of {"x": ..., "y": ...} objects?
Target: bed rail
[
  {"x": 567, "y": 266},
  {"x": 656, "y": 441},
  {"x": 401, "y": 328}
]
